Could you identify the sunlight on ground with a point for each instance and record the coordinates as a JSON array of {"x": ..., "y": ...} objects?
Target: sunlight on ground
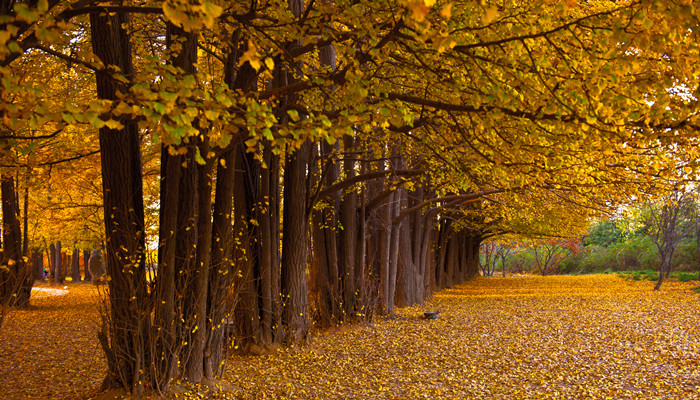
[
  {"x": 38, "y": 292},
  {"x": 529, "y": 337}
]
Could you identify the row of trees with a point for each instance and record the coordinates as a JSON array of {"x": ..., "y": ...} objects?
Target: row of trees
[{"x": 369, "y": 146}]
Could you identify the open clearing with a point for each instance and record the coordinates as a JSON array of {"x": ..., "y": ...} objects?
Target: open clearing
[{"x": 527, "y": 337}]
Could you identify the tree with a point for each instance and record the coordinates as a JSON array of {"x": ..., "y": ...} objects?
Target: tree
[
  {"x": 548, "y": 256},
  {"x": 123, "y": 338},
  {"x": 15, "y": 274},
  {"x": 604, "y": 233},
  {"x": 669, "y": 221}
]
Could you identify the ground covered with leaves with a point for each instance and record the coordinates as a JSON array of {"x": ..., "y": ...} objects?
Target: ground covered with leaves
[
  {"x": 597, "y": 336},
  {"x": 50, "y": 351},
  {"x": 531, "y": 337}
]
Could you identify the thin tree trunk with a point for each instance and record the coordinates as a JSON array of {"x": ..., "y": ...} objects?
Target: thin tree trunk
[
  {"x": 385, "y": 215},
  {"x": 75, "y": 266},
  {"x": 194, "y": 364},
  {"x": 51, "y": 256},
  {"x": 246, "y": 250},
  {"x": 25, "y": 217},
  {"x": 86, "y": 261},
  {"x": 221, "y": 271},
  {"x": 393, "y": 255},
  {"x": 268, "y": 272},
  {"x": 348, "y": 220},
  {"x": 58, "y": 264}
]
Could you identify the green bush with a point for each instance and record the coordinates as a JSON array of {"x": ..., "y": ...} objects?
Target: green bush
[
  {"x": 603, "y": 234},
  {"x": 637, "y": 253},
  {"x": 686, "y": 276}
]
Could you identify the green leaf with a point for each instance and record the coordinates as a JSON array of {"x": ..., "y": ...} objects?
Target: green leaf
[
  {"x": 113, "y": 124},
  {"x": 95, "y": 121},
  {"x": 68, "y": 118},
  {"x": 267, "y": 133}
]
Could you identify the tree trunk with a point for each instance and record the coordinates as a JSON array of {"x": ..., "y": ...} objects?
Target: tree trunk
[
  {"x": 86, "y": 261},
  {"x": 295, "y": 315},
  {"x": 325, "y": 227},
  {"x": 270, "y": 244},
  {"x": 38, "y": 265},
  {"x": 385, "y": 215},
  {"x": 25, "y": 217},
  {"x": 247, "y": 250},
  {"x": 194, "y": 364},
  {"x": 348, "y": 221},
  {"x": 58, "y": 265},
  {"x": 393, "y": 255},
  {"x": 406, "y": 268},
  {"x": 221, "y": 272},
  {"x": 51, "y": 258},
  {"x": 17, "y": 278},
  {"x": 126, "y": 332},
  {"x": 472, "y": 246},
  {"x": 75, "y": 266}
]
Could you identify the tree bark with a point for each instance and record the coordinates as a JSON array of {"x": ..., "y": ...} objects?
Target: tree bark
[
  {"x": 295, "y": 315},
  {"x": 348, "y": 221},
  {"x": 17, "y": 279},
  {"x": 75, "y": 266},
  {"x": 58, "y": 264},
  {"x": 38, "y": 265},
  {"x": 247, "y": 251},
  {"x": 86, "y": 261},
  {"x": 25, "y": 217},
  {"x": 51, "y": 256},
  {"x": 221, "y": 272},
  {"x": 126, "y": 332},
  {"x": 194, "y": 363}
]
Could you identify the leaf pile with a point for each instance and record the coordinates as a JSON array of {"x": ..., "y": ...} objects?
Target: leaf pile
[
  {"x": 50, "y": 350},
  {"x": 515, "y": 338},
  {"x": 562, "y": 337}
]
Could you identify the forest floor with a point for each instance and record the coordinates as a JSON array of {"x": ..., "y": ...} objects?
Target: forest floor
[{"x": 596, "y": 336}]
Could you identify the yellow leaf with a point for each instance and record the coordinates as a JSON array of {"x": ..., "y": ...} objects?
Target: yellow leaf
[
  {"x": 490, "y": 14},
  {"x": 113, "y": 124},
  {"x": 446, "y": 11},
  {"x": 251, "y": 56},
  {"x": 269, "y": 63}
]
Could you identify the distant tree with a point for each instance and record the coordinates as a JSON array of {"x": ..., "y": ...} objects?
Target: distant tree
[
  {"x": 86, "y": 259},
  {"x": 493, "y": 253},
  {"x": 604, "y": 233},
  {"x": 549, "y": 253},
  {"x": 75, "y": 265},
  {"x": 57, "y": 263},
  {"x": 503, "y": 252},
  {"x": 669, "y": 221}
]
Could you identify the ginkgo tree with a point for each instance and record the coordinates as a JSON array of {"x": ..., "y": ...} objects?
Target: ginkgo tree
[{"x": 404, "y": 131}]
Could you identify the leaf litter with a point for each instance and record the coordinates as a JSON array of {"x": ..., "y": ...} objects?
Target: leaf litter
[{"x": 596, "y": 336}]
